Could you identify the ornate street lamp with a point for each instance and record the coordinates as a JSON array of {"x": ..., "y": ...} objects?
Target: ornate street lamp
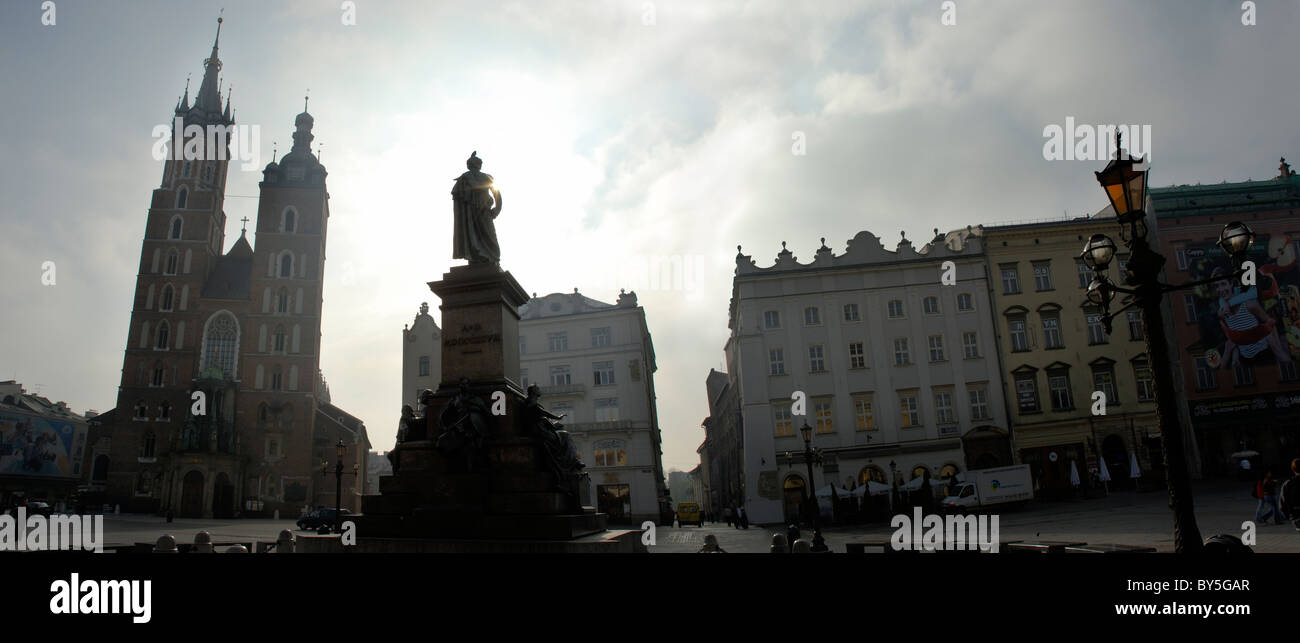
[
  {"x": 1125, "y": 183},
  {"x": 340, "y": 450},
  {"x": 819, "y": 543}
]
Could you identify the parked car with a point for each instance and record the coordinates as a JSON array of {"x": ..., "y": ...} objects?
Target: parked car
[
  {"x": 39, "y": 508},
  {"x": 988, "y": 487},
  {"x": 688, "y": 513},
  {"x": 320, "y": 518}
]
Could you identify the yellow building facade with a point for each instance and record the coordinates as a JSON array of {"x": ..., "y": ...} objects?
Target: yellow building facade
[{"x": 1056, "y": 357}]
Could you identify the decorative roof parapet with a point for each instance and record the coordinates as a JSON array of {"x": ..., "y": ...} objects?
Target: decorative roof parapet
[{"x": 866, "y": 248}]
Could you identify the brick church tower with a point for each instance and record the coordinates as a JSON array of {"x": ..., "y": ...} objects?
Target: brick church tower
[{"x": 239, "y": 331}]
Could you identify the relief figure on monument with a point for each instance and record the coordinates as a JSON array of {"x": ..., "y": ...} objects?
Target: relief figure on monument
[
  {"x": 562, "y": 456},
  {"x": 464, "y": 422}
]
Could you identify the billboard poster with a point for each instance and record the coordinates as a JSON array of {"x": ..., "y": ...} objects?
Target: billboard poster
[
  {"x": 36, "y": 446},
  {"x": 1250, "y": 325}
]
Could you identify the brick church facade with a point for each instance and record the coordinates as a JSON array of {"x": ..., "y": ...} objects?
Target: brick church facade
[{"x": 244, "y": 329}]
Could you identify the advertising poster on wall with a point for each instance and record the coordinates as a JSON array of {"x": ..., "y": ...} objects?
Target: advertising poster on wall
[{"x": 36, "y": 446}]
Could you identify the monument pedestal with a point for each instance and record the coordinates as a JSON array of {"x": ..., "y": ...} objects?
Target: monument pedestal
[{"x": 475, "y": 472}]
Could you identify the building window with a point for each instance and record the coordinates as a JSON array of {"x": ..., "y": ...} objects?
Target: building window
[
  {"x": 277, "y": 379},
  {"x": 611, "y": 453},
  {"x": 1205, "y": 379},
  {"x": 602, "y": 373},
  {"x": 1085, "y": 274},
  {"x": 936, "y": 348},
  {"x": 901, "y": 356},
  {"x": 148, "y": 445},
  {"x": 424, "y": 366},
  {"x": 782, "y": 420},
  {"x": 141, "y": 411},
  {"x": 812, "y": 316},
  {"x": 290, "y": 220},
  {"x": 943, "y": 413},
  {"x": 1019, "y": 333},
  {"x": 1181, "y": 255},
  {"x": 601, "y": 337},
  {"x": 157, "y": 375},
  {"x": 164, "y": 412},
  {"x": 176, "y": 228},
  {"x": 282, "y": 301},
  {"x": 165, "y": 303},
  {"x": 1058, "y": 388},
  {"x": 930, "y": 305},
  {"x": 816, "y": 359},
  {"x": 173, "y": 259},
  {"x": 1027, "y": 392},
  {"x": 1189, "y": 307},
  {"x": 164, "y": 334},
  {"x": 851, "y": 313},
  {"x": 182, "y": 197},
  {"x": 607, "y": 409},
  {"x": 280, "y": 344},
  {"x": 219, "y": 344},
  {"x": 1010, "y": 280},
  {"x": 560, "y": 376},
  {"x": 965, "y": 303},
  {"x": 979, "y": 403},
  {"x": 772, "y": 319},
  {"x": 523, "y": 377},
  {"x": 866, "y": 419},
  {"x": 187, "y": 169},
  {"x": 1052, "y": 330},
  {"x": 822, "y": 413},
  {"x": 909, "y": 410},
  {"x": 1103, "y": 379},
  {"x": 1042, "y": 276},
  {"x": 970, "y": 344},
  {"x": 1135, "y": 326},
  {"x": 895, "y": 308},
  {"x": 776, "y": 361},
  {"x": 556, "y": 342},
  {"x": 1243, "y": 373},
  {"x": 1146, "y": 386},
  {"x": 857, "y": 355},
  {"x": 1096, "y": 331}
]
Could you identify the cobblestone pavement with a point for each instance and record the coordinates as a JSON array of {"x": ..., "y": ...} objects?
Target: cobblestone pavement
[{"x": 1129, "y": 518}]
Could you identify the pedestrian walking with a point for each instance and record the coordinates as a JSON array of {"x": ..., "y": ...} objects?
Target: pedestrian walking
[
  {"x": 1267, "y": 494},
  {"x": 1289, "y": 498},
  {"x": 744, "y": 520},
  {"x": 729, "y": 515}
]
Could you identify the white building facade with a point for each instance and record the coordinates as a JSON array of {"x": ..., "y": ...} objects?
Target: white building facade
[
  {"x": 421, "y": 357},
  {"x": 898, "y": 367},
  {"x": 595, "y": 364}
]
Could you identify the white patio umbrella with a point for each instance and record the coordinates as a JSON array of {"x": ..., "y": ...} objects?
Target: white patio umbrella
[
  {"x": 1133, "y": 470},
  {"x": 1074, "y": 474},
  {"x": 872, "y": 487},
  {"x": 1103, "y": 474}
]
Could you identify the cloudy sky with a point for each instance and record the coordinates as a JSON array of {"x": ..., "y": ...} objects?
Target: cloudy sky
[{"x": 619, "y": 132}]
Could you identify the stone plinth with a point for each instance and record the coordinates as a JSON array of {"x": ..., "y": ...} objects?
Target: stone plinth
[{"x": 480, "y": 324}]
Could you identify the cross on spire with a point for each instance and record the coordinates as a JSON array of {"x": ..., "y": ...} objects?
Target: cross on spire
[
  {"x": 304, "y": 99},
  {"x": 245, "y": 228}
]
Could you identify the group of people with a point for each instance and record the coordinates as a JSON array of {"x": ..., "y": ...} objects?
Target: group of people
[
  {"x": 1279, "y": 502},
  {"x": 736, "y": 517}
]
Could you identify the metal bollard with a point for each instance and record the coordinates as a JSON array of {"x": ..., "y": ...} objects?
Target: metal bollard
[
  {"x": 203, "y": 543},
  {"x": 236, "y": 549},
  {"x": 165, "y": 545},
  {"x": 803, "y": 546},
  {"x": 779, "y": 545},
  {"x": 285, "y": 543}
]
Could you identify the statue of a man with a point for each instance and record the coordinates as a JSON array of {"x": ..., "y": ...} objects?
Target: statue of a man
[{"x": 476, "y": 203}]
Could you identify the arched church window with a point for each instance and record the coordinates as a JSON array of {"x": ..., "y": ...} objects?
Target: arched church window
[
  {"x": 182, "y": 196},
  {"x": 290, "y": 220},
  {"x": 173, "y": 258},
  {"x": 286, "y": 266},
  {"x": 148, "y": 445},
  {"x": 164, "y": 334},
  {"x": 176, "y": 228},
  {"x": 279, "y": 339},
  {"x": 166, "y": 301},
  {"x": 186, "y": 169},
  {"x": 282, "y": 301},
  {"x": 219, "y": 344}
]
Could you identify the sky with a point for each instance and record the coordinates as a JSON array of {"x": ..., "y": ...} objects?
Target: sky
[{"x": 620, "y": 133}]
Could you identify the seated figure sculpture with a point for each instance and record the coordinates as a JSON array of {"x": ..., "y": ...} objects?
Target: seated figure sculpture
[{"x": 562, "y": 455}]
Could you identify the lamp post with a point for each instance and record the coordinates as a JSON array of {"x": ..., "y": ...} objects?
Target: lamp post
[
  {"x": 819, "y": 543},
  {"x": 340, "y": 449},
  {"x": 1125, "y": 182}
]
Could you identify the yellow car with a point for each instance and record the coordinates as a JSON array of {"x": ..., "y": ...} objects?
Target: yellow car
[{"x": 689, "y": 513}]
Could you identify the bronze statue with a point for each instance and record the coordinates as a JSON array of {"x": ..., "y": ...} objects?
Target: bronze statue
[
  {"x": 562, "y": 455},
  {"x": 476, "y": 202},
  {"x": 464, "y": 422}
]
